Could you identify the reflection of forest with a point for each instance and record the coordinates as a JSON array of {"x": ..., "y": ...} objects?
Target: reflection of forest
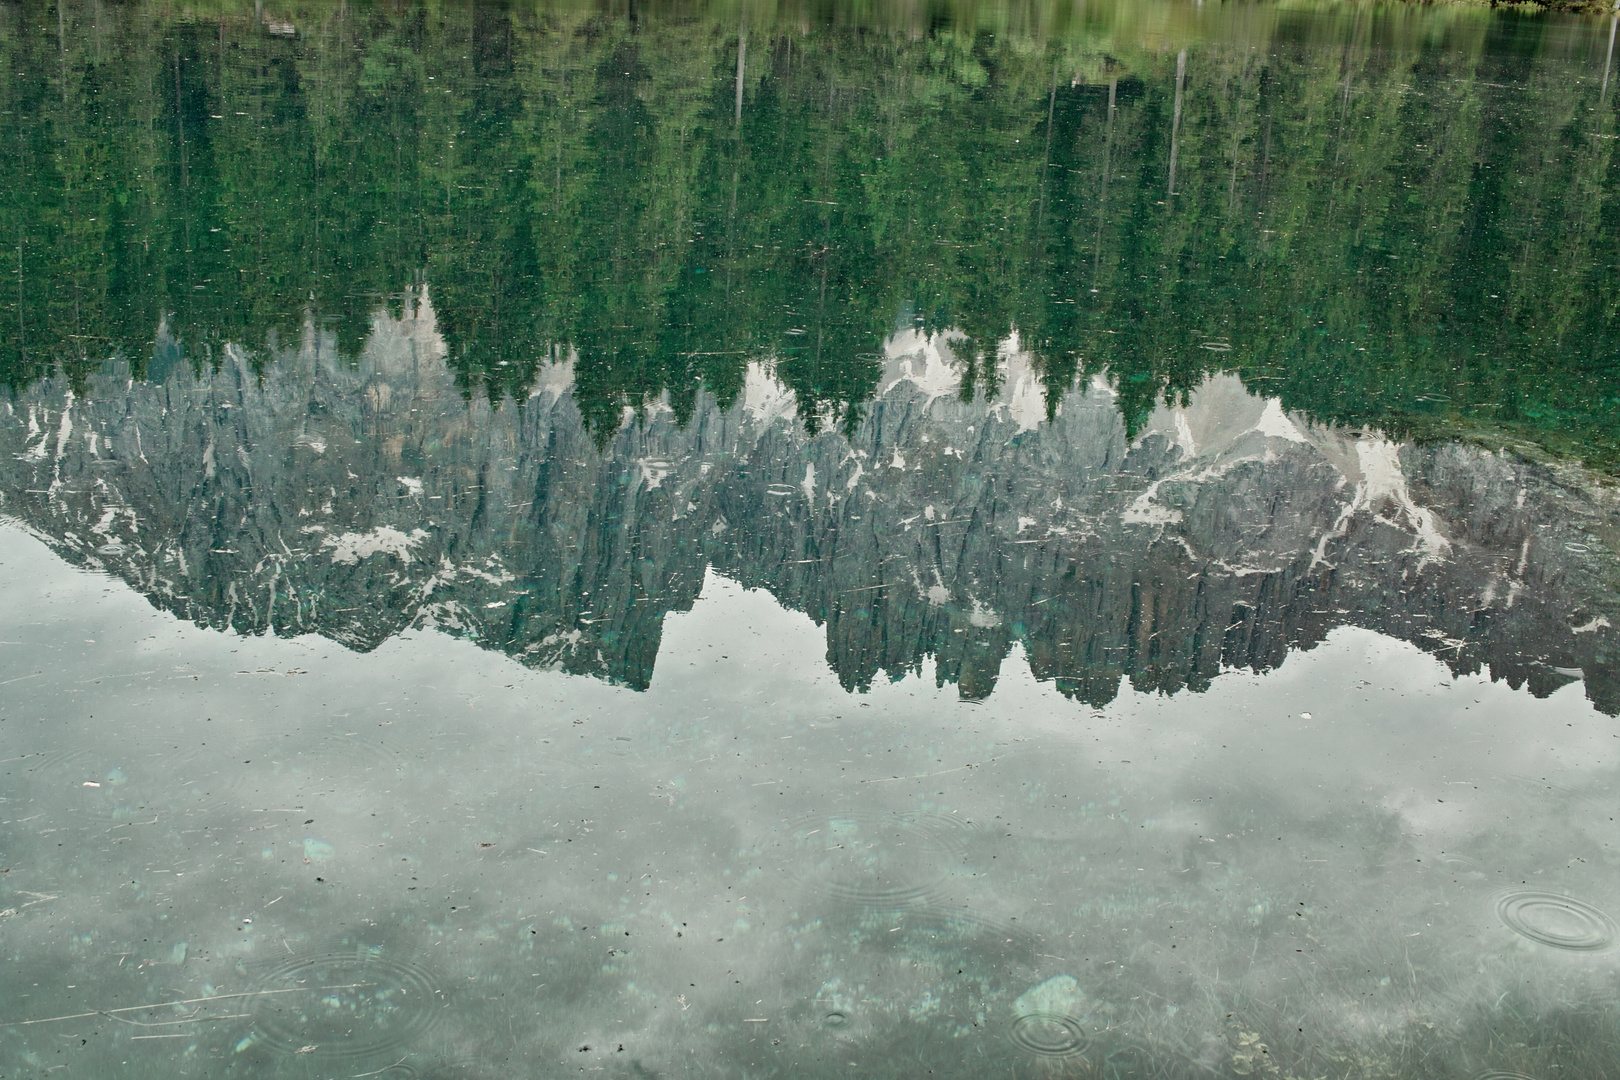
[{"x": 1395, "y": 218}]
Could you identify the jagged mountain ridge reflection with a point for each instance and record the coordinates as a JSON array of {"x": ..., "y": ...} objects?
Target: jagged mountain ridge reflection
[{"x": 315, "y": 495}]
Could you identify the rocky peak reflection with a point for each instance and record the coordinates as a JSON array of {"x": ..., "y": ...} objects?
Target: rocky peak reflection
[{"x": 311, "y": 494}]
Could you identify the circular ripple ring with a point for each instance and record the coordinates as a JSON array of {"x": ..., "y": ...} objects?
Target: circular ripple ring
[
  {"x": 1048, "y": 1035},
  {"x": 346, "y": 1004},
  {"x": 873, "y": 858},
  {"x": 1560, "y": 922}
]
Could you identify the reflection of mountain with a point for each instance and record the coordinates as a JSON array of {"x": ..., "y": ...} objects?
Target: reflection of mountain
[{"x": 356, "y": 501}]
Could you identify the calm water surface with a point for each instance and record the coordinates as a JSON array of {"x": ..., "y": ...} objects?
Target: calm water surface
[{"x": 712, "y": 541}]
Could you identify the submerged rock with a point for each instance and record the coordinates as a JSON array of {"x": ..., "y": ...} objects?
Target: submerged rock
[{"x": 1058, "y": 996}]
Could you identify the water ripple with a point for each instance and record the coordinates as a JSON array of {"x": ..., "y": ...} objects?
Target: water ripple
[
  {"x": 346, "y": 1003},
  {"x": 874, "y": 858},
  {"x": 1047, "y": 1034},
  {"x": 1561, "y": 922}
]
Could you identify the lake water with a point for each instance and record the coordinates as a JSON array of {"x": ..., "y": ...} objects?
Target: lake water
[{"x": 1003, "y": 540}]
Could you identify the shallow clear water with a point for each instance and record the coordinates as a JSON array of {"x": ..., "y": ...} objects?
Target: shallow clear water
[{"x": 1002, "y": 542}]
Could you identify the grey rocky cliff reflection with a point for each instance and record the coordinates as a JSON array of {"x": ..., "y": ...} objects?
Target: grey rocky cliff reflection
[{"x": 354, "y": 500}]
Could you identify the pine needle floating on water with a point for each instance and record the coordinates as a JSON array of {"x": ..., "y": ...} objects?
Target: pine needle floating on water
[
  {"x": 192, "y": 1019},
  {"x": 109, "y": 1013}
]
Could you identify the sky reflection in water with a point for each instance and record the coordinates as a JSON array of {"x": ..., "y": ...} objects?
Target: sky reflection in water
[{"x": 746, "y": 866}]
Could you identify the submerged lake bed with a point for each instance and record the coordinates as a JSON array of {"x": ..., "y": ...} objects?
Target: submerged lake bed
[
  {"x": 697, "y": 541},
  {"x": 759, "y": 866}
]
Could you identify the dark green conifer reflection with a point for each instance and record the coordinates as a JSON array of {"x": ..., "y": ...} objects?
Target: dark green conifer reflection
[{"x": 1408, "y": 230}]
